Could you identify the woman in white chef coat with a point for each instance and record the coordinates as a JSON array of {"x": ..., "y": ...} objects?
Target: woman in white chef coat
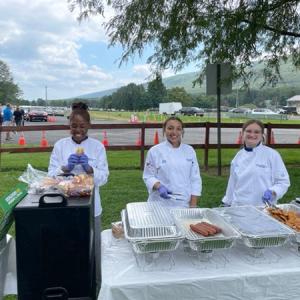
[
  {"x": 65, "y": 158},
  {"x": 171, "y": 172},
  {"x": 257, "y": 173}
]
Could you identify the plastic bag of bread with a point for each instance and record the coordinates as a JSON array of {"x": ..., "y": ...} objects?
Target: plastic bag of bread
[
  {"x": 77, "y": 186},
  {"x": 117, "y": 229},
  {"x": 38, "y": 181}
]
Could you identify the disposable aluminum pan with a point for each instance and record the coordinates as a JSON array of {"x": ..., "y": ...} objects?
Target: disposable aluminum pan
[
  {"x": 149, "y": 220},
  {"x": 184, "y": 217},
  {"x": 258, "y": 230},
  {"x": 156, "y": 243},
  {"x": 290, "y": 207}
]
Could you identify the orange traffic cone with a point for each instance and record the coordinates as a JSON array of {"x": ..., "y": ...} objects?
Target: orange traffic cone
[
  {"x": 105, "y": 139},
  {"x": 156, "y": 139},
  {"x": 22, "y": 141},
  {"x": 272, "y": 141},
  {"x": 239, "y": 139},
  {"x": 44, "y": 142},
  {"x": 139, "y": 140}
]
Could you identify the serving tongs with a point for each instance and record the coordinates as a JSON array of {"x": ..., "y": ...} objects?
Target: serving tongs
[
  {"x": 176, "y": 196},
  {"x": 271, "y": 205}
]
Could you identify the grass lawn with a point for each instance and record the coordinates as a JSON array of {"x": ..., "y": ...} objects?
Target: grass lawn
[
  {"x": 125, "y": 181},
  {"x": 155, "y": 117}
]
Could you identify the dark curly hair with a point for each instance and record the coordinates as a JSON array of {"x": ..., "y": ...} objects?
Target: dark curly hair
[{"x": 81, "y": 109}]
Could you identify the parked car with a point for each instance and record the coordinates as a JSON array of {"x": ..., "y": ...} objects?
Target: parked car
[
  {"x": 263, "y": 111},
  {"x": 36, "y": 115},
  {"x": 290, "y": 110},
  {"x": 192, "y": 111},
  {"x": 240, "y": 110}
]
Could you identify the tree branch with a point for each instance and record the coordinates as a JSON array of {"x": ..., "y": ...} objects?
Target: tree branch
[{"x": 282, "y": 32}]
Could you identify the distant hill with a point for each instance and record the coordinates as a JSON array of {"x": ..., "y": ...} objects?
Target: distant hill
[
  {"x": 97, "y": 94},
  {"x": 290, "y": 76}
]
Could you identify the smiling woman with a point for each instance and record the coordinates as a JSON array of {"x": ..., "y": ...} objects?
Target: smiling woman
[{"x": 257, "y": 173}]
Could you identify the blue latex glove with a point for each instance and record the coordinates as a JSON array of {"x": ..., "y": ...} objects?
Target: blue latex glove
[
  {"x": 268, "y": 197},
  {"x": 84, "y": 162},
  {"x": 72, "y": 161},
  {"x": 164, "y": 192}
]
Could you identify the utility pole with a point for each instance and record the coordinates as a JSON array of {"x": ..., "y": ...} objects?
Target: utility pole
[{"x": 46, "y": 94}]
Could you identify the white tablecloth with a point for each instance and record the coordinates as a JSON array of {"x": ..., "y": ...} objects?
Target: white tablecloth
[
  {"x": 229, "y": 274},
  {"x": 8, "y": 278}
]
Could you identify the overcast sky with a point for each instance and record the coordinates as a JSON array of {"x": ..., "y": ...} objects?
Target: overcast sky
[{"x": 44, "y": 45}]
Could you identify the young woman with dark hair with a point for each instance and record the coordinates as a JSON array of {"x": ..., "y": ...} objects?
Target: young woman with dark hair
[
  {"x": 79, "y": 154},
  {"x": 171, "y": 172}
]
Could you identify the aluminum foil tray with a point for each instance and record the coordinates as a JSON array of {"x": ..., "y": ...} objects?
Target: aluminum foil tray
[
  {"x": 149, "y": 220},
  {"x": 258, "y": 230},
  {"x": 290, "y": 207},
  {"x": 142, "y": 245},
  {"x": 184, "y": 217}
]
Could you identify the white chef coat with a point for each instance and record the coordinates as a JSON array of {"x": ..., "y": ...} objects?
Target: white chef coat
[
  {"x": 96, "y": 154},
  {"x": 252, "y": 173},
  {"x": 175, "y": 168}
]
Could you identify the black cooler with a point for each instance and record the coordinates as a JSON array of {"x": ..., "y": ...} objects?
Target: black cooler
[{"x": 55, "y": 248}]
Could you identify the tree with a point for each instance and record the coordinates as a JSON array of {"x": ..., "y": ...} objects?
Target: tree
[
  {"x": 179, "y": 94},
  {"x": 9, "y": 91},
  {"x": 129, "y": 97},
  {"x": 156, "y": 91},
  {"x": 185, "y": 31}
]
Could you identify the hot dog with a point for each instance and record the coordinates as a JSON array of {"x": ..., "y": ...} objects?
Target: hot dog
[
  {"x": 218, "y": 229},
  {"x": 199, "y": 229},
  {"x": 210, "y": 229}
]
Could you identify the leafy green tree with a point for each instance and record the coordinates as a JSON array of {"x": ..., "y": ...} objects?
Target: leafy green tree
[
  {"x": 9, "y": 91},
  {"x": 106, "y": 102},
  {"x": 208, "y": 31},
  {"x": 129, "y": 97},
  {"x": 156, "y": 91},
  {"x": 40, "y": 102},
  {"x": 179, "y": 94},
  {"x": 204, "y": 101}
]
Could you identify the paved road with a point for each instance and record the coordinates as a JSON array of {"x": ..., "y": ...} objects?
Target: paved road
[{"x": 130, "y": 136}]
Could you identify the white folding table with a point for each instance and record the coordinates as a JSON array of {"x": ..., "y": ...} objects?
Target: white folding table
[{"x": 229, "y": 274}]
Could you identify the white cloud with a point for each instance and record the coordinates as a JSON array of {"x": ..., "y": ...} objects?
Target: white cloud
[
  {"x": 45, "y": 45},
  {"x": 40, "y": 41},
  {"x": 143, "y": 70}
]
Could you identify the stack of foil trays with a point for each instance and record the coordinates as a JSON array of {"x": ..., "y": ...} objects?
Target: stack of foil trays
[
  {"x": 149, "y": 227},
  {"x": 184, "y": 217},
  {"x": 257, "y": 229}
]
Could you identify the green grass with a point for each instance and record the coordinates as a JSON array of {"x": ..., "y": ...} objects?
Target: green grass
[
  {"x": 155, "y": 117},
  {"x": 125, "y": 181}
]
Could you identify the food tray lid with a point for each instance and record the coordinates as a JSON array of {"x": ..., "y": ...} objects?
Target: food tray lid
[
  {"x": 149, "y": 219},
  {"x": 251, "y": 222},
  {"x": 150, "y": 233},
  {"x": 184, "y": 217}
]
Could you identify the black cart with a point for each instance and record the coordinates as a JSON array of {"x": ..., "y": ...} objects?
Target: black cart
[{"x": 55, "y": 247}]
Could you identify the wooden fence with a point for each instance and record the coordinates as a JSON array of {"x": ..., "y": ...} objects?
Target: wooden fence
[{"x": 143, "y": 127}]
